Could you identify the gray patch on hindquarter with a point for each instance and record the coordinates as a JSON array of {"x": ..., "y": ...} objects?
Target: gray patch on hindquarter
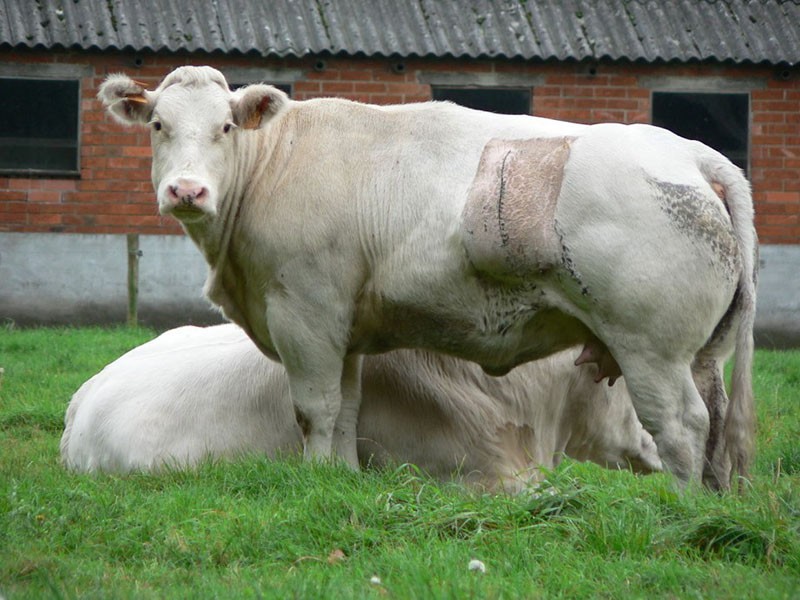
[
  {"x": 508, "y": 219},
  {"x": 701, "y": 217}
]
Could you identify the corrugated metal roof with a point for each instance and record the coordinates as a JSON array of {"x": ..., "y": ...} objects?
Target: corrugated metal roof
[{"x": 638, "y": 30}]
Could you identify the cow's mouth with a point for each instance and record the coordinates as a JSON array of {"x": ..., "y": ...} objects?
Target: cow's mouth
[{"x": 188, "y": 213}]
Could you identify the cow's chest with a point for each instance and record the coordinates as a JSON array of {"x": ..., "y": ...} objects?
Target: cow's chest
[{"x": 242, "y": 301}]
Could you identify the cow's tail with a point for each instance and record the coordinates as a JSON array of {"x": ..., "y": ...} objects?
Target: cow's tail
[{"x": 739, "y": 429}]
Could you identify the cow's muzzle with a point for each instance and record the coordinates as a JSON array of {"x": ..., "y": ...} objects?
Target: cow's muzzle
[{"x": 186, "y": 199}]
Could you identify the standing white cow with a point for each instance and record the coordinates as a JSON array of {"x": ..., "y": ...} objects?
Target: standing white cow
[
  {"x": 334, "y": 229},
  {"x": 194, "y": 393}
]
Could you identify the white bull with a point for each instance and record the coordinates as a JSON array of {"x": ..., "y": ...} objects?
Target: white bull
[
  {"x": 194, "y": 393},
  {"x": 334, "y": 229}
]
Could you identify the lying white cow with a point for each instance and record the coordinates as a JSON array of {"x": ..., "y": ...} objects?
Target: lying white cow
[
  {"x": 195, "y": 392},
  {"x": 334, "y": 229}
]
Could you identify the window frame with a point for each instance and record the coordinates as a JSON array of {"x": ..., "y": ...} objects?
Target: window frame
[
  {"x": 484, "y": 81},
  {"x": 526, "y": 90},
  {"x": 709, "y": 85},
  {"x": 741, "y": 156},
  {"x": 241, "y": 76},
  {"x": 55, "y": 72}
]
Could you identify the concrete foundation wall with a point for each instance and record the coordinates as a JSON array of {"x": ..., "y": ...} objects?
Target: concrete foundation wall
[
  {"x": 48, "y": 279},
  {"x": 81, "y": 279},
  {"x": 778, "y": 308}
]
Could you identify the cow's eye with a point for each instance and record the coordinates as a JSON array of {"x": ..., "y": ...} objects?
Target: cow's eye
[
  {"x": 157, "y": 125},
  {"x": 227, "y": 127}
]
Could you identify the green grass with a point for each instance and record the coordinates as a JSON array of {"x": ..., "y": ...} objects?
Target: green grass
[{"x": 255, "y": 529}]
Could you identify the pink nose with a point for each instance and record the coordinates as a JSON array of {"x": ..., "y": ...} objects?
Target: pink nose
[{"x": 187, "y": 193}]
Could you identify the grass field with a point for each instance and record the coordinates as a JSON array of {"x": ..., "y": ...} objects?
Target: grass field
[{"x": 254, "y": 529}]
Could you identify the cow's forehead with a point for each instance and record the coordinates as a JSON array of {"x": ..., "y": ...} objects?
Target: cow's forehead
[{"x": 198, "y": 103}]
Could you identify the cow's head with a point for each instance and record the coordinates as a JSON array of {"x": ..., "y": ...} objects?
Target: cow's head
[{"x": 194, "y": 120}]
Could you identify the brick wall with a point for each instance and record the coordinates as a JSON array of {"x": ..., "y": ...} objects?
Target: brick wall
[{"x": 114, "y": 194}]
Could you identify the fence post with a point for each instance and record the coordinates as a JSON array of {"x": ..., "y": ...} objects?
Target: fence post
[{"x": 133, "y": 279}]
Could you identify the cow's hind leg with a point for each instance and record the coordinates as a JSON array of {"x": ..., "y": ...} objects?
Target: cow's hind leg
[
  {"x": 707, "y": 373},
  {"x": 669, "y": 406}
]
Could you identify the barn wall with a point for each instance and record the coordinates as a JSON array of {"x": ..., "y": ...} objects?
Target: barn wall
[{"x": 113, "y": 195}]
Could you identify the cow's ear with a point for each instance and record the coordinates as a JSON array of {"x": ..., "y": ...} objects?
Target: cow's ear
[
  {"x": 254, "y": 105},
  {"x": 127, "y": 100}
]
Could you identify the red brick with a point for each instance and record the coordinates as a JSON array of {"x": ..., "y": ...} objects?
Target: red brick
[
  {"x": 390, "y": 77},
  {"x": 123, "y": 163},
  {"x": 337, "y": 87},
  {"x": 768, "y": 219},
  {"x": 13, "y": 207},
  {"x": 44, "y": 196},
  {"x": 773, "y": 234},
  {"x": 768, "y": 94},
  {"x": 139, "y": 151},
  {"x": 406, "y": 88},
  {"x": 355, "y": 75},
  {"x": 22, "y": 183},
  {"x": 623, "y": 81},
  {"x": 577, "y": 91},
  {"x": 623, "y": 104},
  {"x": 12, "y": 196},
  {"x": 782, "y": 197},
  {"x": 609, "y": 92},
  {"x": 543, "y": 91},
  {"x": 370, "y": 88},
  {"x": 46, "y": 219},
  {"x": 65, "y": 185},
  {"x": 46, "y": 208},
  {"x": 767, "y": 117}
]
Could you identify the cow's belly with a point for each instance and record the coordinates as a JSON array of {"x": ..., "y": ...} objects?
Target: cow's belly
[{"x": 488, "y": 322}]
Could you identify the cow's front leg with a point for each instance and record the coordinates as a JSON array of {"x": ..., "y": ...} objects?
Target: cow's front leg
[
  {"x": 344, "y": 433},
  {"x": 313, "y": 354},
  {"x": 318, "y": 402}
]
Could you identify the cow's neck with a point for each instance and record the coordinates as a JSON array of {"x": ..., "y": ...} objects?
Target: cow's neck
[{"x": 214, "y": 236}]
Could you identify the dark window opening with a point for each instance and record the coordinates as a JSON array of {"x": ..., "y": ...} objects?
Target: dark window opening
[
  {"x": 498, "y": 100},
  {"x": 39, "y": 126},
  {"x": 718, "y": 120}
]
